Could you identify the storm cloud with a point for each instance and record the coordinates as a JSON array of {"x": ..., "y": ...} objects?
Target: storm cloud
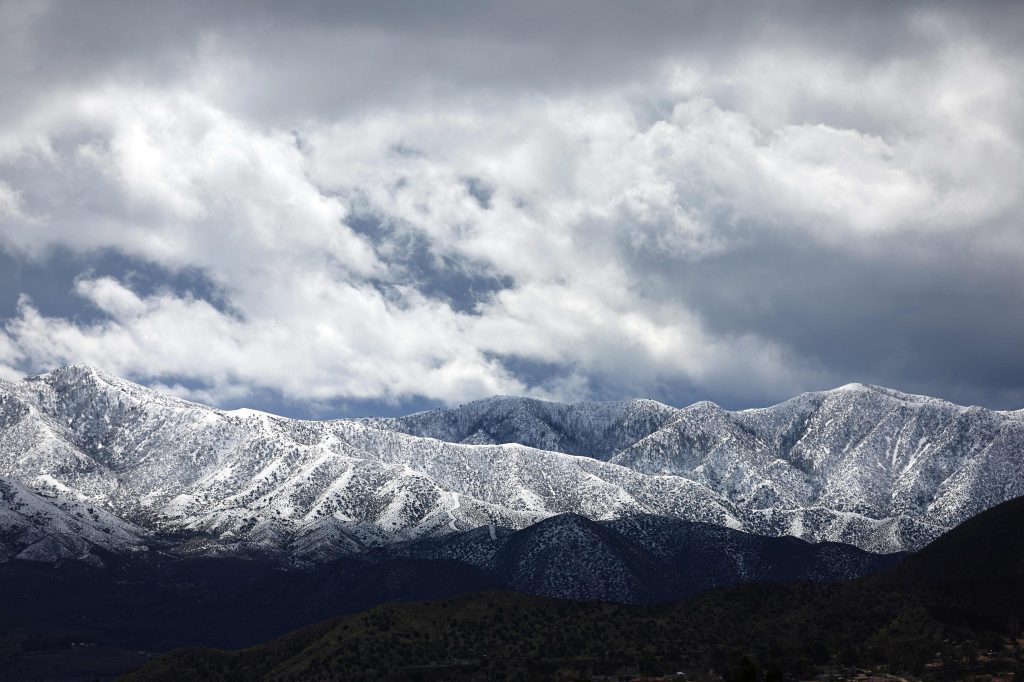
[{"x": 340, "y": 208}]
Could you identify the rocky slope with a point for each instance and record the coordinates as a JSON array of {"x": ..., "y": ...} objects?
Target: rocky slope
[
  {"x": 34, "y": 527},
  {"x": 638, "y": 559}
]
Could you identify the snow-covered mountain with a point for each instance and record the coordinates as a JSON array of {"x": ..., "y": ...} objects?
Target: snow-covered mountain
[{"x": 881, "y": 470}]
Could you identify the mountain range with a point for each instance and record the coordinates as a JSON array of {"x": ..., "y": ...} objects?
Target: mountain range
[{"x": 93, "y": 465}]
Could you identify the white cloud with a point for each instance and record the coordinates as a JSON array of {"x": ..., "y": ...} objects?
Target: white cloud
[
  {"x": 11, "y": 205},
  {"x": 354, "y": 346},
  {"x": 590, "y": 191}
]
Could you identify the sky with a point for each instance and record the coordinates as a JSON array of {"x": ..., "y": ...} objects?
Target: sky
[{"x": 329, "y": 209}]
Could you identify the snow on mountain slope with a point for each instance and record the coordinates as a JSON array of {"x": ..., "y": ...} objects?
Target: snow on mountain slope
[
  {"x": 841, "y": 464},
  {"x": 638, "y": 558},
  {"x": 862, "y": 465},
  {"x": 245, "y": 482},
  {"x": 597, "y": 430},
  {"x": 37, "y": 528}
]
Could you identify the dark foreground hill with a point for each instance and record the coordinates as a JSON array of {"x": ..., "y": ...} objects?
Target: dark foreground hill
[
  {"x": 931, "y": 615},
  {"x": 159, "y": 603}
]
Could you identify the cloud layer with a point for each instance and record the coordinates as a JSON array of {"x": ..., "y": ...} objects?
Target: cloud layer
[{"x": 400, "y": 204}]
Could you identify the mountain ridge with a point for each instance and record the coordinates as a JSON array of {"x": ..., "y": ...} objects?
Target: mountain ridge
[{"x": 880, "y": 469}]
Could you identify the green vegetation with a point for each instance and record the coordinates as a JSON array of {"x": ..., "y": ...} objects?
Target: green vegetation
[{"x": 775, "y": 630}]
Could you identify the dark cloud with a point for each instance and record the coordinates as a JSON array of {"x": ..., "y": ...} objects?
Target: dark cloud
[
  {"x": 923, "y": 315},
  {"x": 321, "y": 58},
  {"x": 460, "y": 283}
]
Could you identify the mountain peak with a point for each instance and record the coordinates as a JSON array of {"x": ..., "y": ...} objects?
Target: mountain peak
[
  {"x": 855, "y": 386},
  {"x": 82, "y": 371},
  {"x": 872, "y": 389},
  {"x": 705, "y": 406}
]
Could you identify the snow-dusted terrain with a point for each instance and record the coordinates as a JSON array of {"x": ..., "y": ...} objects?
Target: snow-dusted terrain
[
  {"x": 863, "y": 465},
  {"x": 637, "y": 559}
]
